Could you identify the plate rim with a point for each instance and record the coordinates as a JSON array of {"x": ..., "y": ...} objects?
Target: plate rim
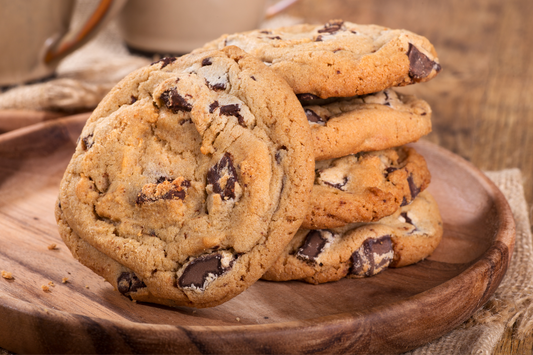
[{"x": 500, "y": 251}]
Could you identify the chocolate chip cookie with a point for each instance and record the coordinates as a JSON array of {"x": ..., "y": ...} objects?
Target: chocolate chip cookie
[
  {"x": 378, "y": 121},
  {"x": 193, "y": 173},
  {"x": 365, "y": 187},
  {"x": 339, "y": 58},
  {"x": 408, "y": 236}
]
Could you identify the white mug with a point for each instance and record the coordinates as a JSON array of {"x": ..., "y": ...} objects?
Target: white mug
[
  {"x": 179, "y": 26},
  {"x": 35, "y": 36}
]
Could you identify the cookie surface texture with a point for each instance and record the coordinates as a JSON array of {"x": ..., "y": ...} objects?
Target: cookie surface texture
[
  {"x": 360, "y": 250},
  {"x": 365, "y": 187},
  {"x": 339, "y": 58},
  {"x": 194, "y": 173},
  {"x": 372, "y": 122}
]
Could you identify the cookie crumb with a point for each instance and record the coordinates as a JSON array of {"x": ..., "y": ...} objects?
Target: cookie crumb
[
  {"x": 86, "y": 286},
  {"x": 7, "y": 275},
  {"x": 52, "y": 246},
  {"x": 64, "y": 280},
  {"x": 51, "y": 283},
  {"x": 238, "y": 319},
  {"x": 45, "y": 288}
]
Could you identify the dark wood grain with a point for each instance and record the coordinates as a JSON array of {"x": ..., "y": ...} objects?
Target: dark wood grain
[{"x": 85, "y": 314}]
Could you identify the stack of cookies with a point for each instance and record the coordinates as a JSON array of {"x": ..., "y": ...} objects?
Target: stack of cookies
[{"x": 273, "y": 153}]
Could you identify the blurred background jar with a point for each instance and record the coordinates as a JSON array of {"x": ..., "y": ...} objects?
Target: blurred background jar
[{"x": 176, "y": 27}]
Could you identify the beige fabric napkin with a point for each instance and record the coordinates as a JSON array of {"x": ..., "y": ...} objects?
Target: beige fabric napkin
[{"x": 511, "y": 306}]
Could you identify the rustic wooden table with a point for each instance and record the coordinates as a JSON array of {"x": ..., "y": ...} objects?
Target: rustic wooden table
[{"x": 482, "y": 101}]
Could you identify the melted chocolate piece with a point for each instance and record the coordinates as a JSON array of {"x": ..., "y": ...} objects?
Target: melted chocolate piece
[
  {"x": 339, "y": 185},
  {"x": 310, "y": 99},
  {"x": 420, "y": 65},
  {"x": 332, "y": 27},
  {"x": 319, "y": 38},
  {"x": 404, "y": 202},
  {"x": 274, "y": 37},
  {"x": 87, "y": 142},
  {"x": 217, "y": 86},
  {"x": 223, "y": 167},
  {"x": 213, "y": 106},
  {"x": 307, "y": 97},
  {"x": 166, "y": 61},
  {"x": 233, "y": 110},
  {"x": 313, "y": 245},
  {"x": 206, "y": 62},
  {"x": 279, "y": 155},
  {"x": 198, "y": 270},
  {"x": 128, "y": 282},
  {"x": 133, "y": 100},
  {"x": 371, "y": 258},
  {"x": 173, "y": 193},
  {"x": 390, "y": 170},
  {"x": 313, "y": 117},
  {"x": 407, "y": 219},
  {"x": 174, "y": 101},
  {"x": 415, "y": 190}
]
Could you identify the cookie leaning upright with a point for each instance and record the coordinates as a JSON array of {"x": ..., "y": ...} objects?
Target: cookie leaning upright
[
  {"x": 194, "y": 173},
  {"x": 339, "y": 59}
]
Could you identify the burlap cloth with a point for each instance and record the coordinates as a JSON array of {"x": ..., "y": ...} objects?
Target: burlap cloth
[{"x": 87, "y": 75}]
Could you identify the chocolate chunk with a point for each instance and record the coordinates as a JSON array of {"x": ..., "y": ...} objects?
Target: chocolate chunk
[
  {"x": 319, "y": 38},
  {"x": 133, "y": 100},
  {"x": 332, "y": 27},
  {"x": 404, "y": 202},
  {"x": 313, "y": 245},
  {"x": 266, "y": 32},
  {"x": 233, "y": 110},
  {"x": 174, "y": 101},
  {"x": 253, "y": 77},
  {"x": 372, "y": 257},
  {"x": 198, "y": 271},
  {"x": 274, "y": 37},
  {"x": 390, "y": 170},
  {"x": 415, "y": 190},
  {"x": 313, "y": 117},
  {"x": 409, "y": 220},
  {"x": 87, "y": 141},
  {"x": 128, "y": 282},
  {"x": 280, "y": 153},
  {"x": 213, "y": 106},
  {"x": 406, "y": 218},
  {"x": 162, "y": 179},
  {"x": 206, "y": 62},
  {"x": 310, "y": 99},
  {"x": 163, "y": 189},
  {"x": 166, "y": 61},
  {"x": 420, "y": 65},
  {"x": 217, "y": 86},
  {"x": 339, "y": 185},
  {"x": 224, "y": 168},
  {"x": 307, "y": 97}
]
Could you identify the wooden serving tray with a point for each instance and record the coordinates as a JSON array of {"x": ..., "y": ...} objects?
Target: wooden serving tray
[{"x": 392, "y": 312}]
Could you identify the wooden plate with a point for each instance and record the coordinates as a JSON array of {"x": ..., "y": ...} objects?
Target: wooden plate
[{"x": 393, "y": 312}]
